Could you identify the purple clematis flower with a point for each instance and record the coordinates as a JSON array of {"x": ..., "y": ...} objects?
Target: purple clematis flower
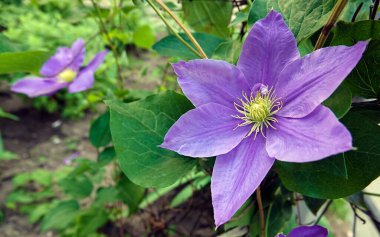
[
  {"x": 62, "y": 70},
  {"x": 307, "y": 231},
  {"x": 267, "y": 107}
]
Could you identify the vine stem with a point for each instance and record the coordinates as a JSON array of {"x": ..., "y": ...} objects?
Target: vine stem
[
  {"x": 173, "y": 30},
  {"x": 261, "y": 211},
  {"x": 337, "y": 10},
  {"x": 374, "y": 9},
  {"x": 113, "y": 48},
  {"x": 187, "y": 32}
]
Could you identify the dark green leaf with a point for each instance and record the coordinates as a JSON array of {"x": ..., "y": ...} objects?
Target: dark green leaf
[
  {"x": 130, "y": 193},
  {"x": 78, "y": 187},
  {"x": 364, "y": 80},
  {"x": 208, "y": 16},
  {"x": 279, "y": 213},
  {"x": 326, "y": 178},
  {"x": 106, "y": 195},
  {"x": 90, "y": 220},
  {"x": 100, "y": 134},
  {"x": 106, "y": 156},
  {"x": 29, "y": 61},
  {"x": 138, "y": 128},
  {"x": 172, "y": 47},
  {"x": 340, "y": 101},
  {"x": 303, "y": 17},
  {"x": 314, "y": 204},
  {"x": 60, "y": 216}
]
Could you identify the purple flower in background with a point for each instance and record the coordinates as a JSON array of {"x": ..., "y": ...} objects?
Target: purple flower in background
[
  {"x": 307, "y": 231},
  {"x": 267, "y": 107},
  {"x": 62, "y": 70}
]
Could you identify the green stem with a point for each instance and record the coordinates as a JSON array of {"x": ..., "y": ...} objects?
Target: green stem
[
  {"x": 261, "y": 212},
  {"x": 112, "y": 46},
  {"x": 337, "y": 10},
  {"x": 371, "y": 194},
  {"x": 175, "y": 33},
  {"x": 187, "y": 32}
]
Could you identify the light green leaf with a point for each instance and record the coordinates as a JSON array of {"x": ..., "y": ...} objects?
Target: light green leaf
[
  {"x": 60, "y": 216},
  {"x": 143, "y": 37},
  {"x": 78, "y": 187},
  {"x": 138, "y": 129},
  {"x": 211, "y": 17},
  {"x": 304, "y": 18},
  {"x": 4, "y": 114},
  {"x": 28, "y": 61}
]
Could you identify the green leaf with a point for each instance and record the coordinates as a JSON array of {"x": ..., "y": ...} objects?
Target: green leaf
[
  {"x": 170, "y": 46},
  {"x": 78, "y": 187},
  {"x": 364, "y": 80},
  {"x": 28, "y": 61},
  {"x": 228, "y": 51},
  {"x": 6, "y": 45},
  {"x": 314, "y": 204},
  {"x": 304, "y": 18},
  {"x": 4, "y": 114},
  {"x": 90, "y": 220},
  {"x": 340, "y": 101},
  {"x": 100, "y": 134},
  {"x": 42, "y": 177},
  {"x": 106, "y": 195},
  {"x": 138, "y": 128},
  {"x": 279, "y": 213},
  {"x": 143, "y": 37},
  {"x": 60, "y": 216},
  {"x": 106, "y": 156},
  {"x": 344, "y": 174},
  {"x": 130, "y": 193},
  {"x": 189, "y": 190},
  {"x": 211, "y": 17}
]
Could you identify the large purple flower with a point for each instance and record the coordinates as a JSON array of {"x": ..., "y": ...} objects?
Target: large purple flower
[
  {"x": 307, "y": 231},
  {"x": 267, "y": 107},
  {"x": 62, "y": 70}
]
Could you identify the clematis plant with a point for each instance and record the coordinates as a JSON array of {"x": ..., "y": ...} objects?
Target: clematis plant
[
  {"x": 62, "y": 70},
  {"x": 307, "y": 231},
  {"x": 267, "y": 107}
]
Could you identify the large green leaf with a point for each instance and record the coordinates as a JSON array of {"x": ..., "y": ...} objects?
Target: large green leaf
[
  {"x": 208, "y": 16},
  {"x": 28, "y": 61},
  {"x": 138, "y": 129},
  {"x": 172, "y": 47},
  {"x": 364, "y": 80},
  {"x": 303, "y": 17},
  {"x": 350, "y": 172}
]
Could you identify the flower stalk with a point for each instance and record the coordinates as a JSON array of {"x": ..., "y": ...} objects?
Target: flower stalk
[
  {"x": 337, "y": 10},
  {"x": 187, "y": 32},
  {"x": 261, "y": 212}
]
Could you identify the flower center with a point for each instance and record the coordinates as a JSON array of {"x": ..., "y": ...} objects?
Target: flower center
[
  {"x": 67, "y": 75},
  {"x": 258, "y": 110}
]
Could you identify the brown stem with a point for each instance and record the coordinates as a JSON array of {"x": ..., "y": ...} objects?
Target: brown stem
[
  {"x": 261, "y": 212},
  {"x": 337, "y": 10},
  {"x": 374, "y": 10},
  {"x": 187, "y": 32}
]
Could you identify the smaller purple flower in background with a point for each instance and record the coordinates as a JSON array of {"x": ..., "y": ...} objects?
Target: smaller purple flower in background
[
  {"x": 267, "y": 107},
  {"x": 307, "y": 231},
  {"x": 62, "y": 70}
]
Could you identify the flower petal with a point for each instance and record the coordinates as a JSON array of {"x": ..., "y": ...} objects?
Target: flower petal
[
  {"x": 210, "y": 81},
  {"x": 85, "y": 79},
  {"x": 269, "y": 46},
  {"x": 314, "y": 137},
  {"x": 307, "y": 82},
  {"x": 236, "y": 175},
  {"x": 34, "y": 87},
  {"x": 309, "y": 231},
  {"x": 205, "y": 131},
  {"x": 64, "y": 58}
]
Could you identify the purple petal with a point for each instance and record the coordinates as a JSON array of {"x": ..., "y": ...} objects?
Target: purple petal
[
  {"x": 236, "y": 175},
  {"x": 64, "y": 58},
  {"x": 210, "y": 81},
  {"x": 269, "y": 46},
  {"x": 205, "y": 131},
  {"x": 314, "y": 137},
  {"x": 309, "y": 231},
  {"x": 34, "y": 87},
  {"x": 85, "y": 79},
  {"x": 307, "y": 82}
]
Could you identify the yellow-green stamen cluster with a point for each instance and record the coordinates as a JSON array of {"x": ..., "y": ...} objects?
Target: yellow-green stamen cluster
[
  {"x": 258, "y": 110},
  {"x": 67, "y": 75}
]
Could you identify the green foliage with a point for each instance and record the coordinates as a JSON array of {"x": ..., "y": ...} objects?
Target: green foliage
[
  {"x": 100, "y": 134},
  {"x": 172, "y": 47},
  {"x": 340, "y": 101},
  {"x": 344, "y": 174},
  {"x": 60, "y": 216},
  {"x": 138, "y": 128},
  {"x": 364, "y": 80},
  {"x": 304, "y": 18},
  {"x": 208, "y": 16},
  {"x": 143, "y": 37},
  {"x": 30, "y": 61}
]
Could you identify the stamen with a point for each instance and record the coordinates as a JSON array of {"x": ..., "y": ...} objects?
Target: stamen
[{"x": 258, "y": 110}]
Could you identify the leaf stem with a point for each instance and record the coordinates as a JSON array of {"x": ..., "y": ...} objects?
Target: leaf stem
[
  {"x": 187, "y": 32},
  {"x": 374, "y": 9},
  {"x": 323, "y": 212},
  {"x": 337, "y": 10},
  {"x": 261, "y": 211},
  {"x": 173, "y": 30},
  {"x": 371, "y": 194}
]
